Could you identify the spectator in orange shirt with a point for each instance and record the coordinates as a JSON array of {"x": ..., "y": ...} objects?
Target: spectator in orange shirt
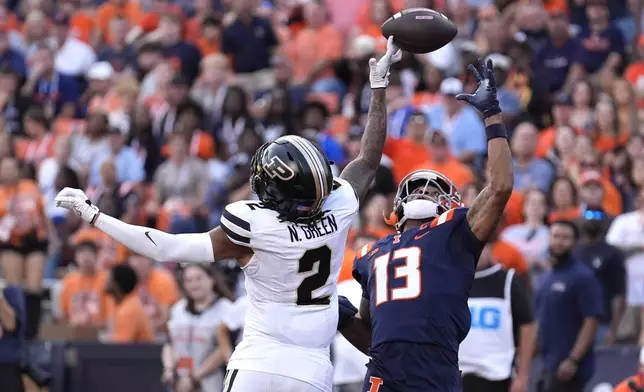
[
  {"x": 157, "y": 290},
  {"x": 130, "y": 323},
  {"x": 210, "y": 40},
  {"x": 129, "y": 10},
  {"x": 190, "y": 118},
  {"x": 83, "y": 299},
  {"x": 315, "y": 49},
  {"x": 40, "y": 143},
  {"x": 411, "y": 151},
  {"x": 443, "y": 162}
]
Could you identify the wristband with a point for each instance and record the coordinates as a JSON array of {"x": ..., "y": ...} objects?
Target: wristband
[{"x": 495, "y": 131}]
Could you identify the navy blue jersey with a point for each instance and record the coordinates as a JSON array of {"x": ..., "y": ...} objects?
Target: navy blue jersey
[{"x": 417, "y": 285}]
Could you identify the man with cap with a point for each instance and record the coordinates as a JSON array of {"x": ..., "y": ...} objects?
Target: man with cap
[
  {"x": 460, "y": 123},
  {"x": 561, "y": 56},
  {"x": 442, "y": 161},
  {"x": 633, "y": 383},
  {"x": 591, "y": 194},
  {"x": 568, "y": 306}
]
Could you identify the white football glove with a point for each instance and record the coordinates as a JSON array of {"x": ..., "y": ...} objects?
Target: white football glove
[
  {"x": 379, "y": 70},
  {"x": 77, "y": 201}
]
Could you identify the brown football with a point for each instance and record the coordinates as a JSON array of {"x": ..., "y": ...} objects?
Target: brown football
[{"x": 419, "y": 30}]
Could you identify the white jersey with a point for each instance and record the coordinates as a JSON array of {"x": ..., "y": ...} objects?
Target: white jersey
[
  {"x": 192, "y": 337},
  {"x": 290, "y": 282}
]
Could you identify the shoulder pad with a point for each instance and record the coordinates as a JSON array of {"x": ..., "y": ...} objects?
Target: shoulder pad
[
  {"x": 235, "y": 222},
  {"x": 453, "y": 214}
]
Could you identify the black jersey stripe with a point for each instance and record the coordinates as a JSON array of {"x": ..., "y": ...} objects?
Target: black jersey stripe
[
  {"x": 235, "y": 220},
  {"x": 234, "y": 237}
]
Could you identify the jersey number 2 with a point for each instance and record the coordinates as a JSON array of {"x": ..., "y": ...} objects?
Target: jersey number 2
[
  {"x": 410, "y": 270},
  {"x": 322, "y": 256}
]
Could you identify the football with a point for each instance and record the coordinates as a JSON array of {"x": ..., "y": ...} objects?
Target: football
[{"x": 419, "y": 30}]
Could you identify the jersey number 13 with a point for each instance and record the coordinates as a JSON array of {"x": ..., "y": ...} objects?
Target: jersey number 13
[{"x": 409, "y": 269}]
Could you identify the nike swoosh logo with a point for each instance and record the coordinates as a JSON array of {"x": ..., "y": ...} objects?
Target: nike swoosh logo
[
  {"x": 147, "y": 234},
  {"x": 419, "y": 236}
]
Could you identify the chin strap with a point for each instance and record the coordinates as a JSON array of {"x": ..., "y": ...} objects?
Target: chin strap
[{"x": 418, "y": 209}]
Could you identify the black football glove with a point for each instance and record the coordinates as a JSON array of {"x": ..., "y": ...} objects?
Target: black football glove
[
  {"x": 484, "y": 98},
  {"x": 347, "y": 312}
]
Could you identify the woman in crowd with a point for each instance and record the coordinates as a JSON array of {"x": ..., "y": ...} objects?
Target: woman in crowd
[{"x": 192, "y": 360}]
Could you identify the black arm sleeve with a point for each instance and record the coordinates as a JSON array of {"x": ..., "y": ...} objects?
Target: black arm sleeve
[{"x": 521, "y": 303}]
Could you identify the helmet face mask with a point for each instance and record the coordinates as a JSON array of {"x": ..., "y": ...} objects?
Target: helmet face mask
[
  {"x": 425, "y": 185},
  {"x": 293, "y": 177}
]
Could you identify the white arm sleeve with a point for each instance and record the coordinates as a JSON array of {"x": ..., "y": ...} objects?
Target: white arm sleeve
[{"x": 157, "y": 245}]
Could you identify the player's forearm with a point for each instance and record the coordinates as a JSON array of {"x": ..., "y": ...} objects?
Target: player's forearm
[
  {"x": 157, "y": 245},
  {"x": 527, "y": 338},
  {"x": 358, "y": 333},
  {"x": 360, "y": 172},
  {"x": 501, "y": 173},
  {"x": 585, "y": 338}
]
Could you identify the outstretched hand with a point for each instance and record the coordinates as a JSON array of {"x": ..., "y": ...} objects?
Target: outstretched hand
[
  {"x": 379, "y": 70},
  {"x": 484, "y": 98}
]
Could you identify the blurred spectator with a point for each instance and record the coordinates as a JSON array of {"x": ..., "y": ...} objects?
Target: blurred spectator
[
  {"x": 529, "y": 171},
  {"x": 48, "y": 172},
  {"x": 315, "y": 127},
  {"x": 562, "y": 54},
  {"x": 111, "y": 9},
  {"x": 157, "y": 290},
  {"x": 210, "y": 40},
  {"x": 184, "y": 56},
  {"x": 193, "y": 358},
  {"x": 12, "y": 337},
  {"x": 314, "y": 50},
  {"x": 118, "y": 53},
  {"x": 569, "y": 304},
  {"x": 603, "y": 44},
  {"x": 532, "y": 236},
  {"x": 11, "y": 58},
  {"x": 563, "y": 198},
  {"x": 113, "y": 197},
  {"x": 487, "y": 354},
  {"x": 608, "y": 264},
  {"x": 179, "y": 186},
  {"x": 442, "y": 161},
  {"x": 55, "y": 92},
  {"x": 235, "y": 117},
  {"x": 129, "y": 166},
  {"x": 462, "y": 126},
  {"x": 74, "y": 57},
  {"x": 130, "y": 323},
  {"x": 39, "y": 144},
  {"x": 94, "y": 143},
  {"x": 176, "y": 94},
  {"x": 83, "y": 299},
  {"x": 210, "y": 88},
  {"x": 410, "y": 151},
  {"x": 13, "y": 105},
  {"x": 250, "y": 40},
  {"x": 626, "y": 234},
  {"x": 99, "y": 82}
]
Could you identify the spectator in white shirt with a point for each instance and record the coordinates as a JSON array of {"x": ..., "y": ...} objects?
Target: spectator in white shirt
[
  {"x": 627, "y": 233},
  {"x": 74, "y": 57}
]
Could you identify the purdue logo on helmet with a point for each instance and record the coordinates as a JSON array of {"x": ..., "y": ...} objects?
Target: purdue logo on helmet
[
  {"x": 277, "y": 168},
  {"x": 293, "y": 177}
]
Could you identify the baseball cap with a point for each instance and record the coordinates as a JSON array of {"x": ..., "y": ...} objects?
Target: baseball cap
[
  {"x": 591, "y": 177},
  {"x": 101, "y": 70},
  {"x": 451, "y": 87},
  {"x": 500, "y": 61}
]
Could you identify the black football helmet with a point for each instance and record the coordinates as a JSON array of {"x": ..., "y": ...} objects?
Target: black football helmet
[{"x": 292, "y": 176}]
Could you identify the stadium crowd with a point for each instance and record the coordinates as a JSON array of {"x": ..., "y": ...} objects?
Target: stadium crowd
[{"x": 155, "y": 107}]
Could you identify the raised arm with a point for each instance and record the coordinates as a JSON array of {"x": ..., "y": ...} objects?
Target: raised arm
[
  {"x": 361, "y": 171},
  {"x": 486, "y": 212},
  {"x": 152, "y": 243}
]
